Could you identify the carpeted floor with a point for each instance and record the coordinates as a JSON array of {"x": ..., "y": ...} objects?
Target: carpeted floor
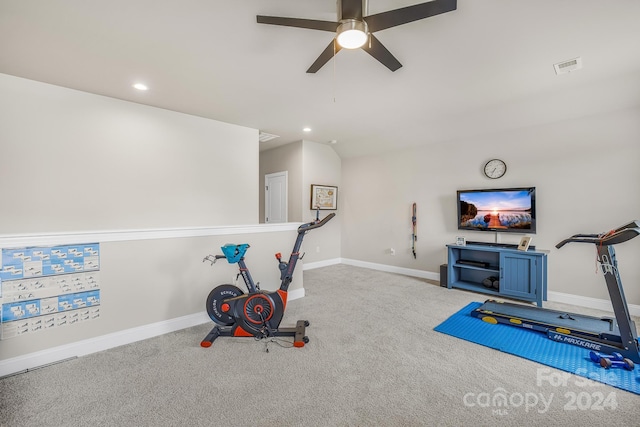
[{"x": 373, "y": 359}]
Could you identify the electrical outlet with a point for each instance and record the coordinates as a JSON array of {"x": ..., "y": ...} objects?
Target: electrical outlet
[
  {"x": 392, "y": 251},
  {"x": 317, "y": 249}
]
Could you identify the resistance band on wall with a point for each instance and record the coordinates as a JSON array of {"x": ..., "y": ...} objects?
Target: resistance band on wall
[{"x": 414, "y": 235}]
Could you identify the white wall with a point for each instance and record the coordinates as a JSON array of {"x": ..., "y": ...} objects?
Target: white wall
[
  {"x": 72, "y": 161},
  {"x": 587, "y": 179}
]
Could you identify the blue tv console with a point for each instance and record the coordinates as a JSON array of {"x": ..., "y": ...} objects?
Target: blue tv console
[{"x": 522, "y": 275}]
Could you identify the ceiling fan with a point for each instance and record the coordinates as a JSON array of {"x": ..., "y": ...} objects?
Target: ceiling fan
[{"x": 354, "y": 30}]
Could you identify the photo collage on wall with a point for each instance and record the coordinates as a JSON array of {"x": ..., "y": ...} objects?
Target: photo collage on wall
[{"x": 48, "y": 287}]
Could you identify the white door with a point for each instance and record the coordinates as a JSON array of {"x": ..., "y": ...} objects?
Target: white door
[{"x": 275, "y": 197}]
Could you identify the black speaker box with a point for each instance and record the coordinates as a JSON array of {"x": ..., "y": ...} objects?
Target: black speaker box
[{"x": 443, "y": 275}]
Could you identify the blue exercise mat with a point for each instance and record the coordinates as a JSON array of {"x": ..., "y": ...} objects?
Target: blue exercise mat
[{"x": 537, "y": 347}]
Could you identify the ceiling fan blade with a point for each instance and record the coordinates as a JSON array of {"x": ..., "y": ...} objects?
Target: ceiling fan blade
[
  {"x": 311, "y": 24},
  {"x": 325, "y": 56},
  {"x": 393, "y": 18},
  {"x": 350, "y": 9},
  {"x": 378, "y": 51}
]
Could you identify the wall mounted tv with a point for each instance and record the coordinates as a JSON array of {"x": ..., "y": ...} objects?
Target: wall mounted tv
[{"x": 507, "y": 209}]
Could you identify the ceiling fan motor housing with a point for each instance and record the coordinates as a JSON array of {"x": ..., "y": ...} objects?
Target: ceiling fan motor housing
[{"x": 351, "y": 9}]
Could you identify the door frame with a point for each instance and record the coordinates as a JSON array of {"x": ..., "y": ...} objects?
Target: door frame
[{"x": 267, "y": 202}]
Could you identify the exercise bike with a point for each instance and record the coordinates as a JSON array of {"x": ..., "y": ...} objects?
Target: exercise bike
[{"x": 258, "y": 313}]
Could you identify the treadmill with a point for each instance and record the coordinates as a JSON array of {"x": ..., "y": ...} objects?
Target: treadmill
[{"x": 601, "y": 334}]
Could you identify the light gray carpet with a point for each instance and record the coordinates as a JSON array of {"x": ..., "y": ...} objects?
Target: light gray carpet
[{"x": 373, "y": 359}]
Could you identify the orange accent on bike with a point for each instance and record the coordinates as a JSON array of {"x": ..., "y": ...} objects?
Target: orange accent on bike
[
  {"x": 205, "y": 344},
  {"x": 225, "y": 307},
  {"x": 298, "y": 344},
  {"x": 278, "y": 256},
  {"x": 239, "y": 332},
  {"x": 283, "y": 296}
]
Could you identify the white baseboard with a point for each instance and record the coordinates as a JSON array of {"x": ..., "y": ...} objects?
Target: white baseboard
[
  {"x": 318, "y": 264},
  {"x": 296, "y": 294},
  {"x": 393, "y": 269},
  {"x": 93, "y": 345}
]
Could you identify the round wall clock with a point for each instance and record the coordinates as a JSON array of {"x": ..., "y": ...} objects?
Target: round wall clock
[{"x": 495, "y": 168}]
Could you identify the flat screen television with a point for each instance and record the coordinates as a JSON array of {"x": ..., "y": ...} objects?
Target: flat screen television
[{"x": 501, "y": 210}]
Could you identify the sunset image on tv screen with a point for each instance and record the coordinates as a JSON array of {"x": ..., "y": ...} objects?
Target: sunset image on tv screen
[{"x": 495, "y": 210}]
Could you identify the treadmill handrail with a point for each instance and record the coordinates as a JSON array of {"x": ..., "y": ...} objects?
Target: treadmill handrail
[{"x": 613, "y": 237}]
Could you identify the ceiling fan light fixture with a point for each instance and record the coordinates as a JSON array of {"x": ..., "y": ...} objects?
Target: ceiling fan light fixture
[{"x": 352, "y": 34}]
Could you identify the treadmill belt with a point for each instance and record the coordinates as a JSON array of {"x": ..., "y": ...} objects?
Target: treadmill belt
[{"x": 587, "y": 325}]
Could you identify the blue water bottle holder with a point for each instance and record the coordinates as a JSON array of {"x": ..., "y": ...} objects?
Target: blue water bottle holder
[{"x": 234, "y": 252}]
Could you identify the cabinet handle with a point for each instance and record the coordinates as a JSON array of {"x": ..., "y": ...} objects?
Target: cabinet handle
[{"x": 501, "y": 272}]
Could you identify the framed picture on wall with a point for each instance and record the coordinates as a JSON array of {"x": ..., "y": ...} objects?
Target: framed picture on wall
[{"x": 324, "y": 197}]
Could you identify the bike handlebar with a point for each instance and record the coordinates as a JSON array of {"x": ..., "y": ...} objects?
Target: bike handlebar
[
  {"x": 315, "y": 224},
  {"x": 213, "y": 258}
]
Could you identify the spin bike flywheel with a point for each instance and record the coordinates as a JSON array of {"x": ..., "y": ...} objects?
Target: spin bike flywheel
[
  {"x": 258, "y": 307},
  {"x": 215, "y": 300}
]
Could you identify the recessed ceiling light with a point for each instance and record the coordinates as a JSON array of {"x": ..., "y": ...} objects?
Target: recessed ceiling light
[
  {"x": 307, "y": 129},
  {"x": 140, "y": 86}
]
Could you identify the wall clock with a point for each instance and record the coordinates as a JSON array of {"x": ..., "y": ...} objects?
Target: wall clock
[{"x": 495, "y": 168}]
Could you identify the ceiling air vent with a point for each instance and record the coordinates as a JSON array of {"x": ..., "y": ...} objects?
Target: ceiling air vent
[
  {"x": 565, "y": 67},
  {"x": 264, "y": 137}
]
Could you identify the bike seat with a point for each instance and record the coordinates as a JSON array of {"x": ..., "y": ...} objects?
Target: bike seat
[{"x": 234, "y": 252}]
